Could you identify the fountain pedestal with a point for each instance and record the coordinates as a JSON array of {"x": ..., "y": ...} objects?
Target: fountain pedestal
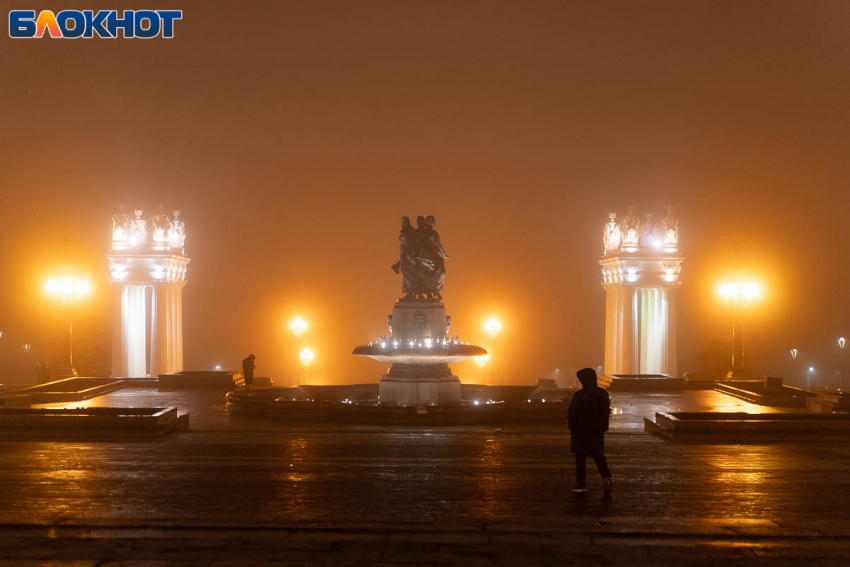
[
  {"x": 419, "y": 385},
  {"x": 419, "y": 353}
]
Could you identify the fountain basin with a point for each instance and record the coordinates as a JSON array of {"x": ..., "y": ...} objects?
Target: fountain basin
[{"x": 405, "y": 354}]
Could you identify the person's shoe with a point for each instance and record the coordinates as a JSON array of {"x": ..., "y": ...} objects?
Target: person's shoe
[
  {"x": 579, "y": 488},
  {"x": 607, "y": 485}
]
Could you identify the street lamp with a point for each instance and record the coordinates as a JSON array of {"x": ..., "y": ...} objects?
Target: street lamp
[
  {"x": 738, "y": 294},
  {"x": 794, "y": 364},
  {"x": 27, "y": 348},
  {"x": 492, "y": 327},
  {"x": 306, "y": 357},
  {"x": 809, "y": 375},
  {"x": 841, "y": 362},
  {"x": 68, "y": 291},
  {"x": 298, "y": 326}
]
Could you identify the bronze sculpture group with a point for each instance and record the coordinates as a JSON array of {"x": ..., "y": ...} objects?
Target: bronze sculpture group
[{"x": 421, "y": 259}]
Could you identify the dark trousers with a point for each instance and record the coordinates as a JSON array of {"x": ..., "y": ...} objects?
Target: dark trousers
[{"x": 581, "y": 466}]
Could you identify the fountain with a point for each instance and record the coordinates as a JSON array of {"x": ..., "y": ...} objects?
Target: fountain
[{"x": 419, "y": 348}]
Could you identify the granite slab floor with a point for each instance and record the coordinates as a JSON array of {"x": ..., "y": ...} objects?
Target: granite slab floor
[{"x": 244, "y": 491}]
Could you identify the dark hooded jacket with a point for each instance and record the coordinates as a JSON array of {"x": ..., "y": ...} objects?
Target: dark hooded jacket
[{"x": 588, "y": 416}]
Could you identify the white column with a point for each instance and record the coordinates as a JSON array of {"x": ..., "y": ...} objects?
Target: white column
[
  {"x": 622, "y": 331},
  {"x": 167, "y": 329},
  {"x": 171, "y": 328},
  {"x": 118, "y": 361},
  {"x": 672, "y": 353},
  {"x": 610, "y": 315},
  {"x": 133, "y": 308},
  {"x": 159, "y": 337},
  {"x": 631, "y": 332},
  {"x": 178, "y": 327}
]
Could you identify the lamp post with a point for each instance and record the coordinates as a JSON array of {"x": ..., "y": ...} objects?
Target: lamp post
[
  {"x": 298, "y": 327},
  {"x": 794, "y": 365},
  {"x": 481, "y": 361},
  {"x": 492, "y": 327},
  {"x": 738, "y": 293},
  {"x": 68, "y": 291},
  {"x": 306, "y": 357},
  {"x": 841, "y": 363},
  {"x": 27, "y": 348},
  {"x": 808, "y": 376}
]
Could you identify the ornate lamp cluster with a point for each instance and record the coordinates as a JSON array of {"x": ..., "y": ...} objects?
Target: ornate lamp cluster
[
  {"x": 632, "y": 234},
  {"x": 641, "y": 249},
  {"x": 167, "y": 233},
  {"x": 139, "y": 254}
]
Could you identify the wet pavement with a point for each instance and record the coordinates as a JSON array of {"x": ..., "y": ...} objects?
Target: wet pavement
[{"x": 246, "y": 489}]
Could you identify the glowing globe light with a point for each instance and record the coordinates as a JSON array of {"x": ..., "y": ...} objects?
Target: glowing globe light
[
  {"x": 81, "y": 287},
  {"x": 840, "y": 341},
  {"x": 68, "y": 290},
  {"x": 738, "y": 293},
  {"x": 306, "y": 357},
  {"x": 793, "y": 353},
  {"x": 298, "y": 326},
  {"x": 492, "y": 327}
]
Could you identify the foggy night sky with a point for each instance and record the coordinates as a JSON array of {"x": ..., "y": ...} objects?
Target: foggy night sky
[{"x": 294, "y": 135}]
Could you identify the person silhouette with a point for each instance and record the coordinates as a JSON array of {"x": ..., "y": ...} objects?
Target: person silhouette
[
  {"x": 248, "y": 366},
  {"x": 588, "y": 421}
]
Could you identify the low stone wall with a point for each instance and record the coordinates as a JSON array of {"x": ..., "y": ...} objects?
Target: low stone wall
[
  {"x": 640, "y": 382},
  {"x": 825, "y": 402},
  {"x": 198, "y": 379},
  {"x": 746, "y": 427},
  {"x": 757, "y": 393},
  {"x": 295, "y": 404},
  {"x": 97, "y": 423},
  {"x": 74, "y": 389}
]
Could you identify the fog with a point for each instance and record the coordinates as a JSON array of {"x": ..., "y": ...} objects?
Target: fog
[{"x": 294, "y": 135}]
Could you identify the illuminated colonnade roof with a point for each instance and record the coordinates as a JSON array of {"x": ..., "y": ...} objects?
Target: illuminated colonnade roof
[
  {"x": 140, "y": 254},
  {"x": 641, "y": 251}
]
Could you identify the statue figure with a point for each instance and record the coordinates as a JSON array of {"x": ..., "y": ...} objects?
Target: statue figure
[
  {"x": 448, "y": 325},
  {"x": 611, "y": 234},
  {"x": 138, "y": 229},
  {"x": 406, "y": 264},
  {"x": 120, "y": 227},
  {"x": 435, "y": 258},
  {"x": 630, "y": 228},
  {"x": 421, "y": 259},
  {"x": 649, "y": 233},
  {"x": 671, "y": 228},
  {"x": 176, "y": 232},
  {"x": 160, "y": 222}
]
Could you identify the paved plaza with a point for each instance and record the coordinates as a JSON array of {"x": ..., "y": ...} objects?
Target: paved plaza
[{"x": 241, "y": 489}]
